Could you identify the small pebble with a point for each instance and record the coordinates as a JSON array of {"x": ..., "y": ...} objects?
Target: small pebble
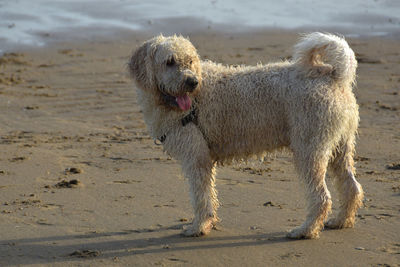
[
  {"x": 73, "y": 170},
  {"x": 268, "y": 204}
]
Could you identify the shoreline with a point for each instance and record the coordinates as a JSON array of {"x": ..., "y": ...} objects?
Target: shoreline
[{"x": 184, "y": 26}]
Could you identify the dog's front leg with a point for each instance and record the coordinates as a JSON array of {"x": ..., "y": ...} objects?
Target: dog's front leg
[
  {"x": 201, "y": 176},
  {"x": 188, "y": 146}
]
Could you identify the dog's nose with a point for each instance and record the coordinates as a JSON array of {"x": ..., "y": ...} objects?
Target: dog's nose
[{"x": 192, "y": 83}]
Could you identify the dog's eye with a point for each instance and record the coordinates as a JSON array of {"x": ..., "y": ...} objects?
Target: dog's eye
[
  {"x": 191, "y": 62},
  {"x": 171, "y": 62}
]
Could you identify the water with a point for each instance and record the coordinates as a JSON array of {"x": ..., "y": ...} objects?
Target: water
[{"x": 36, "y": 22}]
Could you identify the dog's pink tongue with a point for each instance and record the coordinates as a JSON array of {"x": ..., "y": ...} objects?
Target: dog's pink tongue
[{"x": 184, "y": 102}]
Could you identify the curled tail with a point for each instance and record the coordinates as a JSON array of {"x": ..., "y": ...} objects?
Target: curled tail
[{"x": 321, "y": 54}]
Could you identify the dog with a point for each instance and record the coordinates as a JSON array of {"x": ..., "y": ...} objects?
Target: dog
[{"x": 205, "y": 114}]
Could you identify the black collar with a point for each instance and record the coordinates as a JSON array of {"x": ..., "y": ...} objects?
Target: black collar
[{"x": 191, "y": 117}]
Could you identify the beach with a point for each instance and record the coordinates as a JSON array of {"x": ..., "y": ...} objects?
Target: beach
[{"x": 83, "y": 184}]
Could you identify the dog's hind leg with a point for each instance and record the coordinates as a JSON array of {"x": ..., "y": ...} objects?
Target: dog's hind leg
[
  {"x": 350, "y": 191},
  {"x": 189, "y": 147},
  {"x": 312, "y": 168}
]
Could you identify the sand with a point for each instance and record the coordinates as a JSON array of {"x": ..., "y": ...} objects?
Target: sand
[{"x": 81, "y": 182}]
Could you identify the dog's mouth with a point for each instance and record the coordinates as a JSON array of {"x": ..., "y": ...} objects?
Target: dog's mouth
[{"x": 182, "y": 101}]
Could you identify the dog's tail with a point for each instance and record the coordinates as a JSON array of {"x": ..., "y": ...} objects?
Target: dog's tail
[{"x": 321, "y": 54}]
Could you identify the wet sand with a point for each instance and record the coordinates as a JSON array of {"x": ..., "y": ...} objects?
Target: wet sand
[{"x": 81, "y": 182}]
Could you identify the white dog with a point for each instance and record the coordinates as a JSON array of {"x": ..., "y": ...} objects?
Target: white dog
[{"x": 206, "y": 113}]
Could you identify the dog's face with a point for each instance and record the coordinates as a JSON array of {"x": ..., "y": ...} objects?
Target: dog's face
[{"x": 170, "y": 68}]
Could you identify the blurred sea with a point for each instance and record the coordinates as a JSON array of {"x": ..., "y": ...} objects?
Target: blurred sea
[{"x": 37, "y": 22}]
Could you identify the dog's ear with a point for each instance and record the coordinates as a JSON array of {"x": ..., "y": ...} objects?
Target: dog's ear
[
  {"x": 137, "y": 64},
  {"x": 142, "y": 61}
]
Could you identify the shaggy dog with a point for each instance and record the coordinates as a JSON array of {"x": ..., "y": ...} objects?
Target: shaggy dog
[{"x": 206, "y": 114}]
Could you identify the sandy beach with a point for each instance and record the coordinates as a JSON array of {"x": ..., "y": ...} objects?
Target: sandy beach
[{"x": 82, "y": 183}]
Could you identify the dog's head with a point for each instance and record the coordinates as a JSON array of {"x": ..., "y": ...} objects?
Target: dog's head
[{"x": 170, "y": 68}]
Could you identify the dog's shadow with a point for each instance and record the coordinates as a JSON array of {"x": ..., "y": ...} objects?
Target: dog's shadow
[{"x": 67, "y": 248}]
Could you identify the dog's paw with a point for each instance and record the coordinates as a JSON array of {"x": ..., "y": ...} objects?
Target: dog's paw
[
  {"x": 191, "y": 231},
  {"x": 336, "y": 223},
  {"x": 302, "y": 233},
  {"x": 195, "y": 230}
]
